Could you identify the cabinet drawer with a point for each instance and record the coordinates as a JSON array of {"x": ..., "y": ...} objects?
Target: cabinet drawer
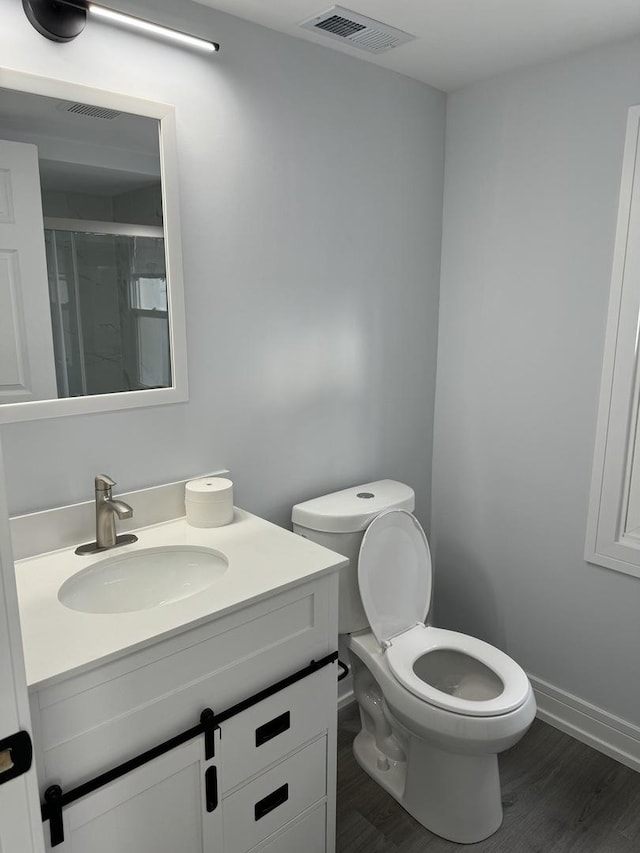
[
  {"x": 267, "y": 803},
  {"x": 265, "y": 733},
  {"x": 307, "y": 833}
]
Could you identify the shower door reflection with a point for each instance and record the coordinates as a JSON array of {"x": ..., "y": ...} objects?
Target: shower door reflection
[{"x": 109, "y": 312}]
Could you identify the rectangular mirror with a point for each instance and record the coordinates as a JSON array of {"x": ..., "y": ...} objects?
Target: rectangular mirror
[{"x": 91, "y": 291}]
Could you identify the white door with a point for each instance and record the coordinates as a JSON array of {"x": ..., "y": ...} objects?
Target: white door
[
  {"x": 27, "y": 369},
  {"x": 20, "y": 824}
]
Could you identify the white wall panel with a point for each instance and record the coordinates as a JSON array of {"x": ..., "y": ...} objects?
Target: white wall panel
[{"x": 532, "y": 177}]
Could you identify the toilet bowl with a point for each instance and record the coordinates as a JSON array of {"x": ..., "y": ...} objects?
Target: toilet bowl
[
  {"x": 448, "y": 777},
  {"x": 436, "y": 706}
]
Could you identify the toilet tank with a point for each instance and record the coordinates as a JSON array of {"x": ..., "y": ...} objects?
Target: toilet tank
[{"x": 338, "y": 522}]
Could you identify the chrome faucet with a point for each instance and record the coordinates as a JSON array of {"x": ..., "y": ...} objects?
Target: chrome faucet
[
  {"x": 106, "y": 510},
  {"x": 107, "y": 507}
]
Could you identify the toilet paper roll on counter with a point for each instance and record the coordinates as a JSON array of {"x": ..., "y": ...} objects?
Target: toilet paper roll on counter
[{"x": 209, "y": 502}]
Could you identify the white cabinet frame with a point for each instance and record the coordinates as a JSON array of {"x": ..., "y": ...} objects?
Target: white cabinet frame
[{"x": 610, "y": 542}]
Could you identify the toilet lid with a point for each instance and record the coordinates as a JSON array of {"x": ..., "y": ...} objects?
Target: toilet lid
[{"x": 394, "y": 573}]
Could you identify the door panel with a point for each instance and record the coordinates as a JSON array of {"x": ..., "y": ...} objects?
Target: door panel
[
  {"x": 27, "y": 370},
  {"x": 20, "y": 827}
]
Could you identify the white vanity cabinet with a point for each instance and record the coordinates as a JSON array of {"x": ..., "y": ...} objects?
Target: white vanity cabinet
[{"x": 270, "y": 785}]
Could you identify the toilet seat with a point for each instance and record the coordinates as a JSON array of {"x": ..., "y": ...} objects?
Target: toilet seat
[
  {"x": 408, "y": 647},
  {"x": 395, "y": 579}
]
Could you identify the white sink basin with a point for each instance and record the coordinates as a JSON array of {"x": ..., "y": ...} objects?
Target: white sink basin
[{"x": 141, "y": 580}]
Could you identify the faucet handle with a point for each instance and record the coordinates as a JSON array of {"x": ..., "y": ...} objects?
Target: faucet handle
[{"x": 103, "y": 483}]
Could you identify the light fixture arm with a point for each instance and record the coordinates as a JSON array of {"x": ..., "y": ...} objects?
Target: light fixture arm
[{"x": 64, "y": 20}]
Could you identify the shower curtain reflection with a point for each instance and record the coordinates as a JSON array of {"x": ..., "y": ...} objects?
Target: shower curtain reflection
[{"x": 109, "y": 312}]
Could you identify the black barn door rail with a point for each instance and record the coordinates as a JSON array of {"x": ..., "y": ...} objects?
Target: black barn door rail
[{"x": 55, "y": 799}]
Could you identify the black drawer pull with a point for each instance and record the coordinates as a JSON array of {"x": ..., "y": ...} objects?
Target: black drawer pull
[
  {"x": 272, "y": 801},
  {"x": 211, "y": 788},
  {"x": 273, "y": 728}
]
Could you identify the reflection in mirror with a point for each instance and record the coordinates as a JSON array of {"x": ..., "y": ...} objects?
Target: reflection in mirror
[
  {"x": 108, "y": 297},
  {"x": 106, "y": 276},
  {"x": 90, "y": 304}
]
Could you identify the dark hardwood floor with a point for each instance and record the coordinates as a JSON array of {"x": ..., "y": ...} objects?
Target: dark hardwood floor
[{"x": 559, "y": 796}]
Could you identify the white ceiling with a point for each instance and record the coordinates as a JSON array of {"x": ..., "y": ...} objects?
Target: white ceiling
[{"x": 460, "y": 41}]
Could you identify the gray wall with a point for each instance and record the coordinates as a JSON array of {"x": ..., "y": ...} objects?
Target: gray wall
[
  {"x": 311, "y": 201},
  {"x": 533, "y": 164}
]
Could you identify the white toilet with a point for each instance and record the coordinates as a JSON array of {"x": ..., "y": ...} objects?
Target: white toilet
[{"x": 436, "y": 706}]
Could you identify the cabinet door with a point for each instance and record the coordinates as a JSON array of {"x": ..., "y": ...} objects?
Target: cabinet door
[{"x": 159, "y": 808}]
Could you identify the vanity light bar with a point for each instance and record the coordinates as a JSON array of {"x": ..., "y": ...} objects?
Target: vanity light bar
[
  {"x": 64, "y": 20},
  {"x": 154, "y": 29}
]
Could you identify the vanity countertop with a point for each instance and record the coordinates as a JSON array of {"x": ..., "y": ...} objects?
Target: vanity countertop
[{"x": 263, "y": 558}]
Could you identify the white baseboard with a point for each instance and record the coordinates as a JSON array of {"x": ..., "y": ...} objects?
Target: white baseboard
[{"x": 587, "y": 723}]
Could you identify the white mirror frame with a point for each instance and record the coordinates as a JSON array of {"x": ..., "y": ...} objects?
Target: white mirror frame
[
  {"x": 614, "y": 483},
  {"x": 165, "y": 114}
]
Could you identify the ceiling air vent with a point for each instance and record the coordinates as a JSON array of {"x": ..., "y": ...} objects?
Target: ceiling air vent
[
  {"x": 89, "y": 111},
  {"x": 356, "y": 30}
]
